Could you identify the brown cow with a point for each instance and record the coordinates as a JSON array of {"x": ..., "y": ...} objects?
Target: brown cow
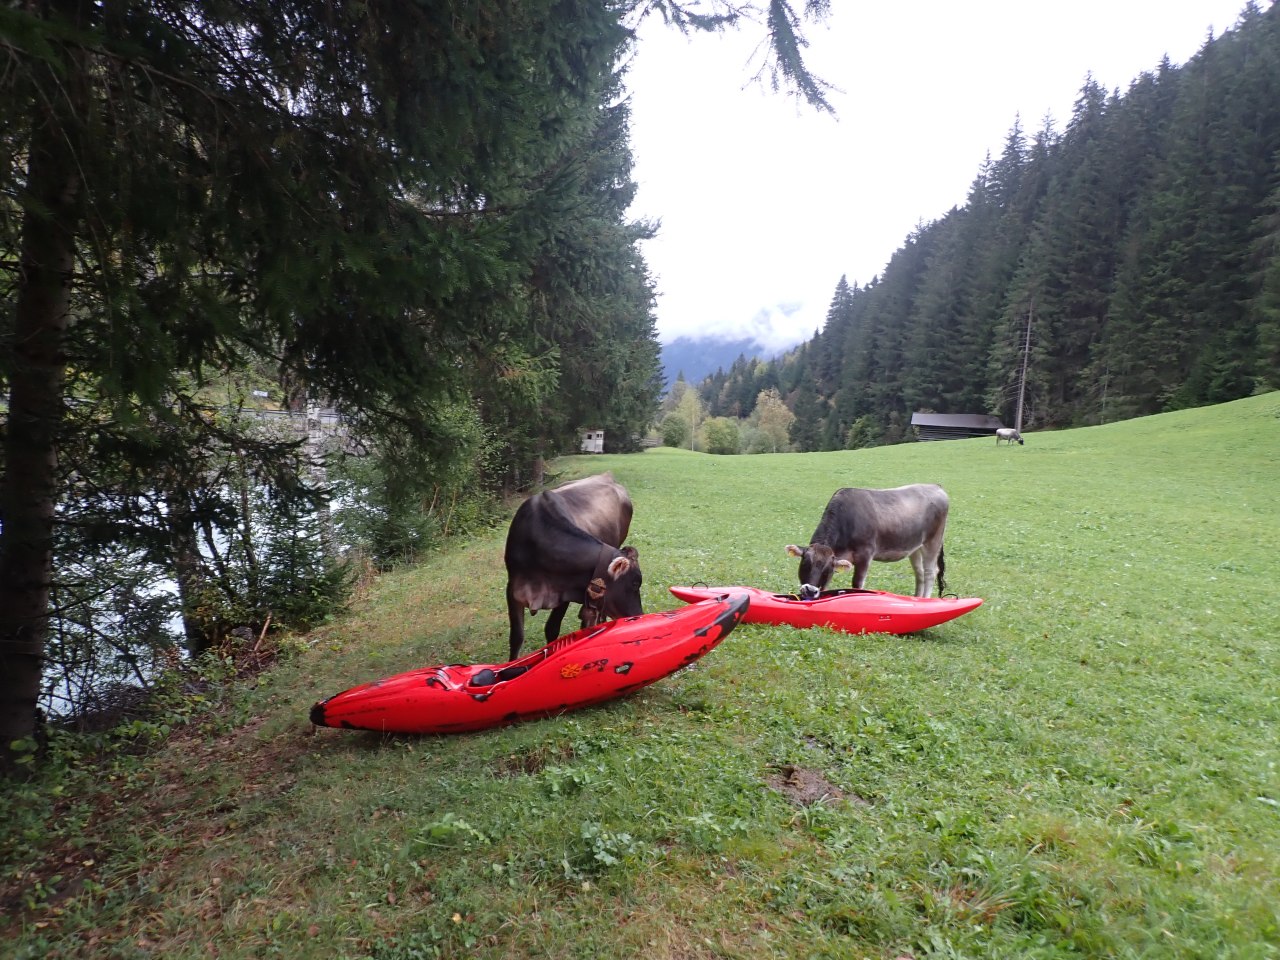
[{"x": 565, "y": 546}]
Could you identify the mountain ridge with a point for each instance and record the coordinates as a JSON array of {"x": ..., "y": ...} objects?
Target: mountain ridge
[{"x": 696, "y": 358}]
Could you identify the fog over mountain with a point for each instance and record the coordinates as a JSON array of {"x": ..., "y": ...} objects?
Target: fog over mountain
[{"x": 699, "y": 357}]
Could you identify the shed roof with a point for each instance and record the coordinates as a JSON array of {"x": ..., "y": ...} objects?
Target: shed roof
[{"x": 964, "y": 421}]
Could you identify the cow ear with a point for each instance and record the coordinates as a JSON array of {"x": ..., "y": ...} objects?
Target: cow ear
[
  {"x": 630, "y": 553},
  {"x": 794, "y": 551},
  {"x": 618, "y": 567},
  {"x": 843, "y": 565}
]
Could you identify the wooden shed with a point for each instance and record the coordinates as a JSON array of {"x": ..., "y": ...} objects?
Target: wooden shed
[{"x": 954, "y": 426}]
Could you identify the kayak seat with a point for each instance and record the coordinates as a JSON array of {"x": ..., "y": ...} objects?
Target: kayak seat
[{"x": 488, "y": 677}]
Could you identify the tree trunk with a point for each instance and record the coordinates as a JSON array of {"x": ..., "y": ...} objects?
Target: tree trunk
[
  {"x": 28, "y": 493},
  {"x": 188, "y": 570},
  {"x": 318, "y": 476}
]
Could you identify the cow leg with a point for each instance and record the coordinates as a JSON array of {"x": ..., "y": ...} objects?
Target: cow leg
[
  {"x": 928, "y": 563},
  {"x": 515, "y": 613},
  {"x": 554, "y": 619},
  {"x": 861, "y": 567},
  {"x": 924, "y": 575}
]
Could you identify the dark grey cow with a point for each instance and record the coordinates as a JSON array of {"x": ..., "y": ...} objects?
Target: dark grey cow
[
  {"x": 861, "y": 525},
  {"x": 565, "y": 546}
]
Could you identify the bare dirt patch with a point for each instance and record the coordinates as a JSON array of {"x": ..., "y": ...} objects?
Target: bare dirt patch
[
  {"x": 803, "y": 786},
  {"x": 532, "y": 761}
]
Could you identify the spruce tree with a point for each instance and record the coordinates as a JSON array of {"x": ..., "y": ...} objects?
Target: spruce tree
[{"x": 355, "y": 193}]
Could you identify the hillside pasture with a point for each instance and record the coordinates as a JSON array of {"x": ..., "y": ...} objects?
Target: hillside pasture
[{"x": 1087, "y": 765}]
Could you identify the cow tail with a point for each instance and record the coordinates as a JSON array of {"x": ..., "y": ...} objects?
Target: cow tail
[{"x": 942, "y": 568}]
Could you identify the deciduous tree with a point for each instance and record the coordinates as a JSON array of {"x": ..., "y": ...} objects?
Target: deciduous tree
[{"x": 774, "y": 419}]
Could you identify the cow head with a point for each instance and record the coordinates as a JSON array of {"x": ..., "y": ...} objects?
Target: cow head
[
  {"x": 621, "y": 597},
  {"x": 818, "y": 564}
]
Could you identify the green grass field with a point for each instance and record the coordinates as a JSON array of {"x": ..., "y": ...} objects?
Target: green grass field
[{"x": 1085, "y": 766}]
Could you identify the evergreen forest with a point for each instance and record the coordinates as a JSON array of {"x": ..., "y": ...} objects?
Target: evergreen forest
[{"x": 1132, "y": 260}]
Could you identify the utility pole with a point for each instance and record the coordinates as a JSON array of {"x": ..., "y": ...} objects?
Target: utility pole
[
  {"x": 1106, "y": 375},
  {"x": 1022, "y": 378}
]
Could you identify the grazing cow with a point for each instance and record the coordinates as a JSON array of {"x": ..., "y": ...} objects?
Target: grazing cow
[
  {"x": 862, "y": 525},
  {"x": 1009, "y": 434},
  {"x": 565, "y": 546}
]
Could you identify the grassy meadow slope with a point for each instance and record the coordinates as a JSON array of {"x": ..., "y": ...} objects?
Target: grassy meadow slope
[{"x": 1087, "y": 765}]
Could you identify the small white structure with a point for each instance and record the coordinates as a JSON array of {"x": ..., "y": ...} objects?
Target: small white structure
[{"x": 593, "y": 441}]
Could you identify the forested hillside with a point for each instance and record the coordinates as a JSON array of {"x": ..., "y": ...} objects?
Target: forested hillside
[{"x": 1139, "y": 248}]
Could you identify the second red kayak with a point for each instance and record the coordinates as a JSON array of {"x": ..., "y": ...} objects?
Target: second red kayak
[{"x": 853, "y": 611}]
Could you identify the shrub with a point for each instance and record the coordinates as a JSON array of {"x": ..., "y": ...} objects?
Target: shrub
[{"x": 722, "y": 435}]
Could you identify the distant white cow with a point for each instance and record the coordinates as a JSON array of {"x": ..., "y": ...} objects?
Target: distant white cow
[{"x": 1009, "y": 434}]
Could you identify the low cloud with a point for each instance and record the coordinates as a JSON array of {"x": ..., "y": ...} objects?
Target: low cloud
[{"x": 775, "y": 328}]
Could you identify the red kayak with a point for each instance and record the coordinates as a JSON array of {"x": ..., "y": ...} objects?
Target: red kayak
[
  {"x": 588, "y": 666},
  {"x": 854, "y": 611}
]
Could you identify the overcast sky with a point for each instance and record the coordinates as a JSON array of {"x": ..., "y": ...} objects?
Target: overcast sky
[{"x": 765, "y": 204}]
